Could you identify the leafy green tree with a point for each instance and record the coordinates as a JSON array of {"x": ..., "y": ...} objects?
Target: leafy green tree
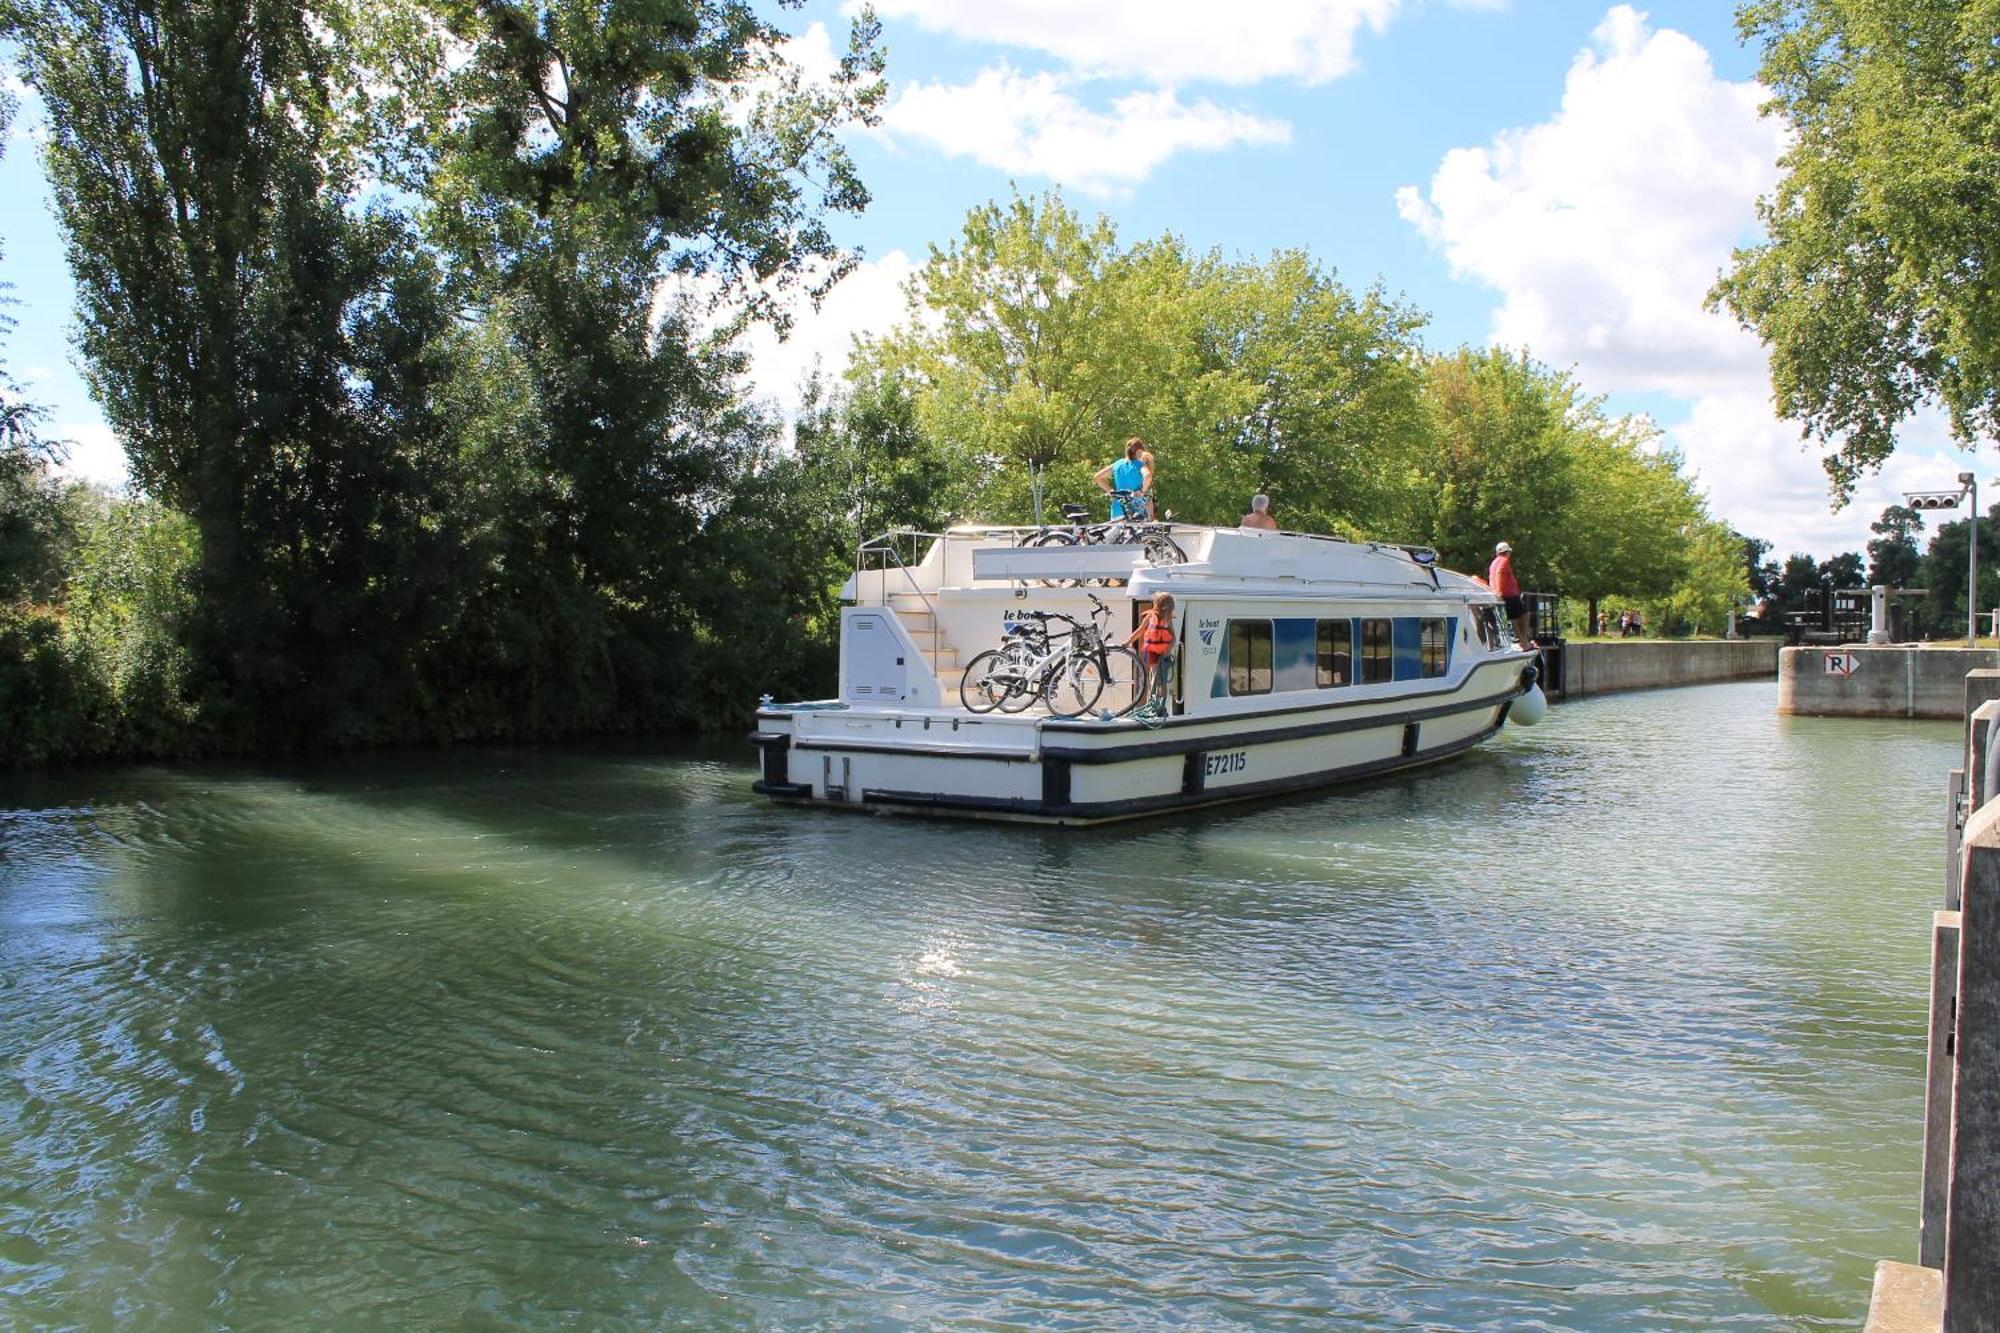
[
  {"x": 1894, "y": 557},
  {"x": 1760, "y": 574},
  {"x": 1797, "y": 579},
  {"x": 256, "y": 339},
  {"x": 1878, "y": 286},
  {"x": 131, "y": 596},
  {"x": 1944, "y": 571},
  {"x": 1038, "y": 344},
  {"x": 608, "y": 181},
  {"x": 1633, "y": 521},
  {"x": 872, "y": 465},
  {"x": 786, "y": 537},
  {"x": 1029, "y": 350},
  {"x": 1712, "y": 582},
  {"x": 37, "y": 512},
  {"x": 1843, "y": 571},
  {"x": 1499, "y": 461},
  {"x": 1333, "y": 384}
]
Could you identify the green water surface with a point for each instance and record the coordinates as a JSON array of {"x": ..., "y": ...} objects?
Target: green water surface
[{"x": 1613, "y": 1024}]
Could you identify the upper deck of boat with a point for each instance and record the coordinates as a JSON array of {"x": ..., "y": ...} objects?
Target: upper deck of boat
[
  {"x": 1001, "y": 561},
  {"x": 949, "y": 595}
]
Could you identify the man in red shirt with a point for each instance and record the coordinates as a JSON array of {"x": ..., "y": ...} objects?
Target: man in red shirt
[{"x": 1500, "y": 578}]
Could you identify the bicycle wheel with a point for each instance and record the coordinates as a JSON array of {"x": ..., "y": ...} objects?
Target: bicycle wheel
[
  {"x": 983, "y": 685},
  {"x": 1163, "y": 550},
  {"x": 1024, "y": 686},
  {"x": 1074, "y": 686},
  {"x": 1056, "y": 537},
  {"x": 1124, "y": 680}
]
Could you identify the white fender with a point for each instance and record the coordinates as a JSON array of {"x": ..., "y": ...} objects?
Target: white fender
[{"x": 1530, "y": 708}]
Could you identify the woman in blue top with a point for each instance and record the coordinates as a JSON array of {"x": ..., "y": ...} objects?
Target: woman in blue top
[{"x": 1134, "y": 473}]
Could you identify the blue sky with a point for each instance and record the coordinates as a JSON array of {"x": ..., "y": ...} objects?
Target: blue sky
[{"x": 1568, "y": 177}]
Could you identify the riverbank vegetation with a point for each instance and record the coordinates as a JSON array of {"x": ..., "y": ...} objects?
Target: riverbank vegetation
[{"x": 420, "y": 326}]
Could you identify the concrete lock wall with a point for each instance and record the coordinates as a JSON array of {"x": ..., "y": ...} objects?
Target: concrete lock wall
[
  {"x": 1894, "y": 680},
  {"x": 1601, "y": 668}
]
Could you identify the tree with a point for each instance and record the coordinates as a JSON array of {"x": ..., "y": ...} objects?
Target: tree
[
  {"x": 1759, "y": 573},
  {"x": 259, "y": 343},
  {"x": 1712, "y": 583},
  {"x": 779, "y": 550},
  {"x": 1327, "y": 387},
  {"x": 1878, "y": 286},
  {"x": 1843, "y": 571},
  {"x": 1031, "y": 340},
  {"x": 617, "y": 187},
  {"x": 1798, "y": 579},
  {"x": 36, "y": 524},
  {"x": 1894, "y": 557},
  {"x": 1634, "y": 521},
  {"x": 1944, "y": 571}
]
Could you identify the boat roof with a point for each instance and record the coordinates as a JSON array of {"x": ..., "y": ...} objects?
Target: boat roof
[{"x": 1249, "y": 561}]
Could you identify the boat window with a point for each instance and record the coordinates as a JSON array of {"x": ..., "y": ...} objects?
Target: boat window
[
  {"x": 1436, "y": 646},
  {"x": 1489, "y": 628},
  {"x": 1336, "y": 653},
  {"x": 1249, "y": 657},
  {"x": 1378, "y": 651}
]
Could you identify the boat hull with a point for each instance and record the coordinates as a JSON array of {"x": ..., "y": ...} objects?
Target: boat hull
[{"x": 1053, "y": 771}]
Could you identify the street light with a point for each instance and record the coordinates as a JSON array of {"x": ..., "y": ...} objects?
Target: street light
[{"x": 1968, "y": 489}]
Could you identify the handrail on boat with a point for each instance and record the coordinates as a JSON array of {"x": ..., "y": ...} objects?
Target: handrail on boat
[{"x": 889, "y": 546}]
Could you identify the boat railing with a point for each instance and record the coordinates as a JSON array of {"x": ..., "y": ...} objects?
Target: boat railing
[{"x": 883, "y": 555}]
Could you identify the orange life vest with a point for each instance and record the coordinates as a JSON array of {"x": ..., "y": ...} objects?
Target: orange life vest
[{"x": 1156, "y": 636}]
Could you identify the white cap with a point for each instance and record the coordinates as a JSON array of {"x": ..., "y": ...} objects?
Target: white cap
[{"x": 1503, "y": 546}]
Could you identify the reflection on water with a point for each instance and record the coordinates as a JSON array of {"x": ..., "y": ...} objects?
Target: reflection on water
[{"x": 1616, "y": 1023}]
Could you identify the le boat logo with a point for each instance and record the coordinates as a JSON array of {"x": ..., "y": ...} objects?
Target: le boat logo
[{"x": 1207, "y": 631}]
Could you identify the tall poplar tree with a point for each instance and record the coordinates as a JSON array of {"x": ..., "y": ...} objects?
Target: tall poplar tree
[{"x": 257, "y": 342}]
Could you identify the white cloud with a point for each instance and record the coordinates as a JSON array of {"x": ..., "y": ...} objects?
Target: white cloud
[
  {"x": 867, "y": 301},
  {"x": 1032, "y": 125},
  {"x": 94, "y": 452},
  {"x": 1167, "y": 42},
  {"x": 1603, "y": 228},
  {"x": 31, "y": 122}
]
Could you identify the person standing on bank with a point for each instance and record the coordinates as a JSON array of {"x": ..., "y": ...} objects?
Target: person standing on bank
[
  {"x": 1134, "y": 473},
  {"x": 1500, "y": 578},
  {"x": 1259, "y": 516}
]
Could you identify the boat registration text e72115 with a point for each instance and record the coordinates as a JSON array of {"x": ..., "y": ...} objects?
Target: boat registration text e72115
[{"x": 1229, "y": 761}]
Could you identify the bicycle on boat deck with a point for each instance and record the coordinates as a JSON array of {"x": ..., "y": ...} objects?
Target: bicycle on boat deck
[
  {"x": 1156, "y": 539},
  {"x": 1070, "y": 670}
]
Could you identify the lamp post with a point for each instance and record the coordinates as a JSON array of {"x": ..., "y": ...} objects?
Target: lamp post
[
  {"x": 1968, "y": 489},
  {"x": 1971, "y": 483}
]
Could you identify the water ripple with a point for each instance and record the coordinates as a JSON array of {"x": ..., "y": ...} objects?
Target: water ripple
[{"x": 1614, "y": 1024}]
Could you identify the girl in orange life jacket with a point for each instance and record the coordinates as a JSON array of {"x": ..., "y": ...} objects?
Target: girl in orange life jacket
[{"x": 1155, "y": 641}]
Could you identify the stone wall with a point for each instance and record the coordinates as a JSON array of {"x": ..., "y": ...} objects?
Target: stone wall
[
  {"x": 1600, "y": 668},
  {"x": 1894, "y": 680}
]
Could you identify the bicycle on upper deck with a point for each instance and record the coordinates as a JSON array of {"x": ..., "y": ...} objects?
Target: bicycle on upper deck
[{"x": 1156, "y": 538}]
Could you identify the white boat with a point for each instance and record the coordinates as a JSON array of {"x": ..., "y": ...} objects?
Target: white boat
[{"x": 1300, "y": 661}]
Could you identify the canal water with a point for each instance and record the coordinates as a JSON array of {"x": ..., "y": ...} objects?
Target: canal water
[{"x": 1614, "y": 1024}]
